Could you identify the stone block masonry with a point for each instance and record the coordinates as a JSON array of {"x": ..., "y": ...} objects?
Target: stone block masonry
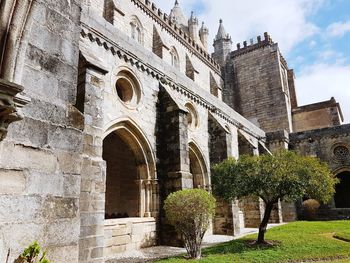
[
  {"x": 127, "y": 106},
  {"x": 41, "y": 157}
]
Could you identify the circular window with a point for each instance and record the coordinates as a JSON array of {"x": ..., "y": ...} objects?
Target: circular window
[
  {"x": 192, "y": 116},
  {"x": 341, "y": 152},
  {"x": 124, "y": 89},
  {"x": 128, "y": 88}
]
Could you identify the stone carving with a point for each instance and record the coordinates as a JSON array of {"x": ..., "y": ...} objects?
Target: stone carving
[
  {"x": 341, "y": 152},
  {"x": 9, "y": 105}
]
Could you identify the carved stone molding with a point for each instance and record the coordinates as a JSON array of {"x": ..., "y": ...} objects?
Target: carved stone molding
[{"x": 9, "y": 105}]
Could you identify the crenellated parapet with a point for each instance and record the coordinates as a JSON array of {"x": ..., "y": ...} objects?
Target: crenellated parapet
[
  {"x": 247, "y": 48},
  {"x": 177, "y": 32}
]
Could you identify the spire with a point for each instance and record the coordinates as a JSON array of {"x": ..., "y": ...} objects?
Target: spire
[
  {"x": 177, "y": 16},
  {"x": 221, "y": 32},
  {"x": 193, "y": 19},
  {"x": 203, "y": 35},
  {"x": 204, "y": 28}
]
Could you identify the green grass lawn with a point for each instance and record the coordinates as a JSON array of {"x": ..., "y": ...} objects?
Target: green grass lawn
[{"x": 296, "y": 242}]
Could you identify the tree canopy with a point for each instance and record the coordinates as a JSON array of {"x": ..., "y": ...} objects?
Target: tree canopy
[{"x": 283, "y": 176}]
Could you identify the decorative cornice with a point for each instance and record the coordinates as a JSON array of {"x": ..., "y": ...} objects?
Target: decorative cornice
[
  {"x": 9, "y": 104},
  {"x": 129, "y": 57},
  {"x": 341, "y": 131},
  {"x": 161, "y": 18}
]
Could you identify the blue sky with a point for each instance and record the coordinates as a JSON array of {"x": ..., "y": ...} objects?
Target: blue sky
[{"x": 313, "y": 35}]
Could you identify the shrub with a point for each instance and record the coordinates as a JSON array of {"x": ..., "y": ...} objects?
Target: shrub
[
  {"x": 310, "y": 207},
  {"x": 32, "y": 255},
  {"x": 190, "y": 211}
]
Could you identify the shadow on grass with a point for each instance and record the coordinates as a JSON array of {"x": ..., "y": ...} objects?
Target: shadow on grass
[{"x": 240, "y": 246}]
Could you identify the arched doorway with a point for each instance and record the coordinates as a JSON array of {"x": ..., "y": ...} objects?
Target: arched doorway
[
  {"x": 198, "y": 167},
  {"x": 131, "y": 185},
  {"x": 342, "y": 194}
]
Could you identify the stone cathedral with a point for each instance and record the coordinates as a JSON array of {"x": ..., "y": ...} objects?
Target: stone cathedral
[{"x": 107, "y": 106}]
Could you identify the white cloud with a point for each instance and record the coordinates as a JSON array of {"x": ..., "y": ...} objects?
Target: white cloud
[
  {"x": 320, "y": 82},
  {"x": 286, "y": 20},
  {"x": 338, "y": 29}
]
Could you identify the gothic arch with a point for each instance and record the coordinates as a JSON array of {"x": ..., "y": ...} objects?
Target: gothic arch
[
  {"x": 342, "y": 194},
  {"x": 137, "y": 30},
  {"x": 175, "y": 59},
  {"x": 128, "y": 130},
  {"x": 14, "y": 30},
  {"x": 198, "y": 167},
  {"x": 140, "y": 174},
  {"x": 192, "y": 116}
]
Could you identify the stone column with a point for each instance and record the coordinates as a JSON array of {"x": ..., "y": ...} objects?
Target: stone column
[
  {"x": 93, "y": 177},
  {"x": 173, "y": 155},
  {"x": 223, "y": 144}
]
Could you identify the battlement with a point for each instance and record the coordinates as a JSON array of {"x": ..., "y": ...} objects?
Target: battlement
[
  {"x": 261, "y": 43},
  {"x": 162, "y": 18}
]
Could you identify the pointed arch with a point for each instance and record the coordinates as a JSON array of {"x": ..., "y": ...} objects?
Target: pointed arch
[
  {"x": 198, "y": 167},
  {"x": 131, "y": 134},
  {"x": 175, "y": 60},
  {"x": 137, "y": 30},
  {"x": 131, "y": 179},
  {"x": 342, "y": 190}
]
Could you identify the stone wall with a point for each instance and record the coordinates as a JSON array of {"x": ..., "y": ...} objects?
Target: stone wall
[
  {"x": 41, "y": 157},
  {"x": 124, "y": 234},
  {"x": 331, "y": 145},
  {"x": 316, "y": 116}
]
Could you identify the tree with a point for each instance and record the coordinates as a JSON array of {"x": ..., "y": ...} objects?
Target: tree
[
  {"x": 283, "y": 176},
  {"x": 189, "y": 211}
]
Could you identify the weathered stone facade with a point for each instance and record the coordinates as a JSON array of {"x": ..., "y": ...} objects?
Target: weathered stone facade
[{"x": 124, "y": 106}]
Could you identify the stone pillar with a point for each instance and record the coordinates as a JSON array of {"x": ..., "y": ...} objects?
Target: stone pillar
[
  {"x": 173, "y": 156},
  {"x": 93, "y": 176},
  {"x": 277, "y": 140},
  {"x": 228, "y": 218}
]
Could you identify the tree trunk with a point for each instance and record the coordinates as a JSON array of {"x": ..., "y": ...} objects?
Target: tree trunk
[{"x": 264, "y": 222}]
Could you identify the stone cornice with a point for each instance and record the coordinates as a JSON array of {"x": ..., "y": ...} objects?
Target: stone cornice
[
  {"x": 340, "y": 131},
  {"x": 219, "y": 108}
]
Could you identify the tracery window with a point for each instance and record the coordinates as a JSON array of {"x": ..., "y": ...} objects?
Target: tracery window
[
  {"x": 341, "y": 152},
  {"x": 136, "y": 30},
  {"x": 174, "y": 58}
]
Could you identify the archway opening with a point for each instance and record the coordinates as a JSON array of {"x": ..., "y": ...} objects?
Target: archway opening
[
  {"x": 342, "y": 195},
  {"x": 122, "y": 192},
  {"x": 197, "y": 167}
]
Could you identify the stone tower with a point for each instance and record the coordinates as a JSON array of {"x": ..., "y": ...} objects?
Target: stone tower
[
  {"x": 193, "y": 26},
  {"x": 203, "y": 35},
  {"x": 259, "y": 84},
  {"x": 222, "y": 45}
]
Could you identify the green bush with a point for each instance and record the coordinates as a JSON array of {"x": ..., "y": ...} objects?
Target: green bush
[
  {"x": 32, "y": 255},
  {"x": 309, "y": 208},
  {"x": 190, "y": 211}
]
